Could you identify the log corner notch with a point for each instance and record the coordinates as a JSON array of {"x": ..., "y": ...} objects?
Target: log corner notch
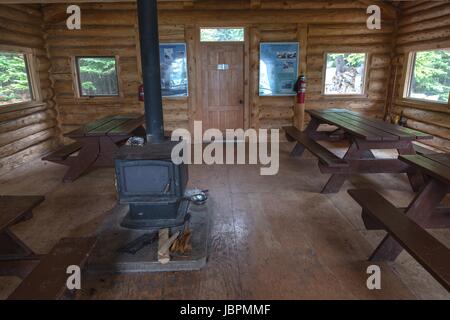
[{"x": 386, "y": 8}]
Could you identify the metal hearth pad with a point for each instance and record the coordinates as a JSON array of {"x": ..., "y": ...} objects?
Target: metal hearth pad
[{"x": 108, "y": 258}]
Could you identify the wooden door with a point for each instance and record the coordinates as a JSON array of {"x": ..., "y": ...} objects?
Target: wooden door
[{"x": 222, "y": 85}]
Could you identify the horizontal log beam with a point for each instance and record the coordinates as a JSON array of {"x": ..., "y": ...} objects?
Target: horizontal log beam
[{"x": 81, "y": 1}]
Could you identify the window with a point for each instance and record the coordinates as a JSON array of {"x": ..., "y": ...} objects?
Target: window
[
  {"x": 15, "y": 82},
  {"x": 97, "y": 76},
  {"x": 222, "y": 34},
  {"x": 174, "y": 79},
  {"x": 345, "y": 73},
  {"x": 429, "y": 76}
]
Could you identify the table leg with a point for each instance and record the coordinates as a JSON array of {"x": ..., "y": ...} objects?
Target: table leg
[
  {"x": 86, "y": 158},
  {"x": 420, "y": 210},
  {"x": 299, "y": 148},
  {"x": 336, "y": 181},
  {"x": 16, "y": 258},
  {"x": 12, "y": 248},
  {"x": 108, "y": 148},
  {"x": 415, "y": 177}
]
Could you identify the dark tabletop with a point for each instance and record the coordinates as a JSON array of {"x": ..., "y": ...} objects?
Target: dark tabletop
[
  {"x": 365, "y": 127},
  {"x": 117, "y": 125}
]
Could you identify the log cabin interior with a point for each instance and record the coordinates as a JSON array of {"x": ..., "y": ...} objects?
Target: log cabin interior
[{"x": 363, "y": 156}]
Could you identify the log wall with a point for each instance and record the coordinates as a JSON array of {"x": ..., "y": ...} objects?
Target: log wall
[
  {"x": 27, "y": 130},
  {"x": 111, "y": 29},
  {"x": 422, "y": 25},
  {"x": 107, "y": 29}
]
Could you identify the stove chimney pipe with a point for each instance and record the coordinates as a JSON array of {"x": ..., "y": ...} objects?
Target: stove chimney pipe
[{"x": 151, "y": 74}]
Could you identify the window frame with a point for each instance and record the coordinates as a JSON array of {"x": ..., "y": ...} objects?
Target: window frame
[
  {"x": 32, "y": 74},
  {"x": 408, "y": 74},
  {"x": 187, "y": 70},
  {"x": 364, "y": 86},
  {"x": 215, "y": 27},
  {"x": 77, "y": 80},
  {"x": 297, "y": 71}
]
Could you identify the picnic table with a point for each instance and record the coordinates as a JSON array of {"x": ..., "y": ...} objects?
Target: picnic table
[
  {"x": 44, "y": 276},
  {"x": 96, "y": 144},
  {"x": 406, "y": 227},
  {"x": 364, "y": 134},
  {"x": 425, "y": 208}
]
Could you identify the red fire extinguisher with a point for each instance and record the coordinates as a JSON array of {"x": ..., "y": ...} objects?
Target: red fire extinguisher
[
  {"x": 141, "y": 92},
  {"x": 300, "y": 87},
  {"x": 301, "y": 92}
]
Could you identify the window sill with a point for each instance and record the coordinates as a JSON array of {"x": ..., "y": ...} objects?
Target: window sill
[
  {"x": 175, "y": 97},
  {"x": 20, "y": 106},
  {"x": 344, "y": 96},
  {"x": 424, "y": 102},
  {"x": 99, "y": 97}
]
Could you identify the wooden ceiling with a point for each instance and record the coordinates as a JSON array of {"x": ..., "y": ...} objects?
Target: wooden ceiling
[
  {"x": 387, "y": 3},
  {"x": 75, "y": 1},
  {"x": 389, "y": 7}
]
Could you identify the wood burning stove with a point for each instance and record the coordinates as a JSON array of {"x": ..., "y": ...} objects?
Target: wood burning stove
[
  {"x": 152, "y": 185},
  {"x": 147, "y": 179}
]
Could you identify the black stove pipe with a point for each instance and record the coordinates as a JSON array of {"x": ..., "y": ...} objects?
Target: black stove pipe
[{"x": 149, "y": 40}]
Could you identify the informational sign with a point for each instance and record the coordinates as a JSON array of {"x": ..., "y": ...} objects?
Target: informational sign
[
  {"x": 278, "y": 68},
  {"x": 174, "y": 78}
]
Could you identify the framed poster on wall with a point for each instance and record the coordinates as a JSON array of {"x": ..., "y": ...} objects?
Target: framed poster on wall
[
  {"x": 278, "y": 68},
  {"x": 174, "y": 77}
]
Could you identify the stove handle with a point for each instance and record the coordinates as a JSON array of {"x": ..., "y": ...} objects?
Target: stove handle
[{"x": 167, "y": 187}]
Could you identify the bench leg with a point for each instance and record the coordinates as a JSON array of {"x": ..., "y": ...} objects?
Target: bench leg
[
  {"x": 415, "y": 178},
  {"x": 335, "y": 183},
  {"x": 420, "y": 210},
  {"x": 387, "y": 250}
]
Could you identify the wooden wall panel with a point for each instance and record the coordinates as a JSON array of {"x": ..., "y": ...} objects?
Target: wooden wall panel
[
  {"x": 111, "y": 29},
  {"x": 422, "y": 25},
  {"x": 27, "y": 131},
  {"x": 107, "y": 29},
  {"x": 349, "y": 38}
]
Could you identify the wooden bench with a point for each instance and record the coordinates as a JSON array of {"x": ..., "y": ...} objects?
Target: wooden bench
[
  {"x": 48, "y": 280},
  {"x": 14, "y": 209},
  {"x": 439, "y": 219},
  {"x": 428, "y": 251},
  {"x": 422, "y": 150},
  {"x": 61, "y": 154},
  {"x": 325, "y": 156}
]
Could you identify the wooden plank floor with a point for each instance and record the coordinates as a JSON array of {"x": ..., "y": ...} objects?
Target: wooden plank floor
[{"x": 273, "y": 237}]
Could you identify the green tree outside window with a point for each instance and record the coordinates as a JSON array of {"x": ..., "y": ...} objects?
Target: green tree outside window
[
  {"x": 430, "y": 79},
  {"x": 14, "y": 81},
  {"x": 98, "y": 76}
]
